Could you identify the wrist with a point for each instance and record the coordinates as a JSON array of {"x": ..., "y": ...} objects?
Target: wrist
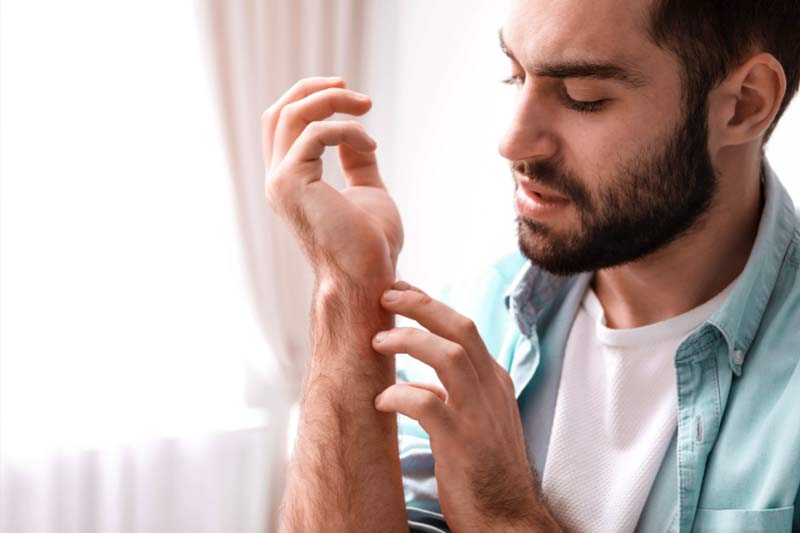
[
  {"x": 335, "y": 282},
  {"x": 344, "y": 318},
  {"x": 346, "y": 311}
]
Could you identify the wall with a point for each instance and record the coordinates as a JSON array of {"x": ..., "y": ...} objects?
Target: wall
[
  {"x": 438, "y": 140},
  {"x": 439, "y": 146}
]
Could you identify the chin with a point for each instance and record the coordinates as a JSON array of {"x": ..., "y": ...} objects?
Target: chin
[{"x": 549, "y": 252}]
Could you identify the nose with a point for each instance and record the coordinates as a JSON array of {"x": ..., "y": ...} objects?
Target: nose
[{"x": 530, "y": 135}]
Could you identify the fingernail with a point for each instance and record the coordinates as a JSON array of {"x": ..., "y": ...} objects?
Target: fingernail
[
  {"x": 334, "y": 79},
  {"x": 381, "y": 336},
  {"x": 377, "y": 399},
  {"x": 391, "y": 295}
]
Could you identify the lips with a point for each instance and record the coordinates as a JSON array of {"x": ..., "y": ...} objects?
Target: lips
[{"x": 548, "y": 195}]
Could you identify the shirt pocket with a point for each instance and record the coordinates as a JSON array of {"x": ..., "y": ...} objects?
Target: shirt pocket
[{"x": 707, "y": 520}]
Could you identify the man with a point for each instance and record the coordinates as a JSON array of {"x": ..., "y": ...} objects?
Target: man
[{"x": 638, "y": 368}]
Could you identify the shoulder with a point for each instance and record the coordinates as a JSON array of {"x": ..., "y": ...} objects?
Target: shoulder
[
  {"x": 778, "y": 335},
  {"x": 482, "y": 285},
  {"x": 796, "y": 238},
  {"x": 782, "y": 312},
  {"x": 788, "y": 282},
  {"x": 480, "y": 295}
]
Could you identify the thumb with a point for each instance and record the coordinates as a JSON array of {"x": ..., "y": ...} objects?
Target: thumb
[{"x": 359, "y": 168}]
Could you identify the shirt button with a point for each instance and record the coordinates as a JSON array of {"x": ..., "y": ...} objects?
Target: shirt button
[{"x": 738, "y": 357}]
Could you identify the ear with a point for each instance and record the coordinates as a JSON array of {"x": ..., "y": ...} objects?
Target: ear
[{"x": 744, "y": 105}]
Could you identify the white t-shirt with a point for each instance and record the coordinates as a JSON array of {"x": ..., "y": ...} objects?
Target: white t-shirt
[{"x": 615, "y": 414}]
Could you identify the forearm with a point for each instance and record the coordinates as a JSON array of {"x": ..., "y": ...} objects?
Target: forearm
[{"x": 345, "y": 471}]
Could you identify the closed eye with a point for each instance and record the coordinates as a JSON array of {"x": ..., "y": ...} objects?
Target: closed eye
[{"x": 581, "y": 106}]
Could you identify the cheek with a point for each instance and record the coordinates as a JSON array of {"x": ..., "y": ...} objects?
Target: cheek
[
  {"x": 593, "y": 160},
  {"x": 600, "y": 155}
]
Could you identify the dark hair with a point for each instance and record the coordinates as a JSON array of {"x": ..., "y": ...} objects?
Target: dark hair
[{"x": 712, "y": 37}]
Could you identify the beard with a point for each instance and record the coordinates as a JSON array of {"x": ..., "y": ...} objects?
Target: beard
[{"x": 650, "y": 202}]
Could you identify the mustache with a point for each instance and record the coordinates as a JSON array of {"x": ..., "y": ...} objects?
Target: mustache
[{"x": 554, "y": 177}]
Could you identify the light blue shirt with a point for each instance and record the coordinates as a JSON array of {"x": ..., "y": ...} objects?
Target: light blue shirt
[{"x": 734, "y": 461}]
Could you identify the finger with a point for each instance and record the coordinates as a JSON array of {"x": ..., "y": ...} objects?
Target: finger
[
  {"x": 405, "y": 286},
  {"x": 317, "y": 135},
  {"x": 301, "y": 89},
  {"x": 434, "y": 388},
  {"x": 294, "y": 117},
  {"x": 443, "y": 321},
  {"x": 448, "y": 359},
  {"x": 359, "y": 168},
  {"x": 421, "y": 405}
]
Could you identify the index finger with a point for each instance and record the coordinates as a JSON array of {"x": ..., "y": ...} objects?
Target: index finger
[
  {"x": 296, "y": 116},
  {"x": 298, "y": 91},
  {"x": 442, "y": 320}
]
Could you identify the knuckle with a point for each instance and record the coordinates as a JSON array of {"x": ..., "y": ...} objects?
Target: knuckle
[
  {"x": 314, "y": 128},
  {"x": 273, "y": 191},
  {"x": 331, "y": 92},
  {"x": 427, "y": 403},
  {"x": 421, "y": 298},
  {"x": 277, "y": 184},
  {"x": 354, "y": 124},
  {"x": 467, "y": 326},
  {"x": 455, "y": 354},
  {"x": 268, "y": 116},
  {"x": 505, "y": 379},
  {"x": 303, "y": 84},
  {"x": 290, "y": 111},
  {"x": 411, "y": 335}
]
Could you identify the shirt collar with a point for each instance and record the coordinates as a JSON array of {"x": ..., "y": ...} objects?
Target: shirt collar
[
  {"x": 738, "y": 317},
  {"x": 532, "y": 290}
]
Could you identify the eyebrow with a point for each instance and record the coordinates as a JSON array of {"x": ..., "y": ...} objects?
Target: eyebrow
[{"x": 583, "y": 69}]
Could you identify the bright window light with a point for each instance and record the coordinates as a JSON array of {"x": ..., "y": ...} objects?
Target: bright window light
[{"x": 124, "y": 310}]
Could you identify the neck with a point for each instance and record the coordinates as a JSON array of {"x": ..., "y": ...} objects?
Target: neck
[{"x": 697, "y": 266}]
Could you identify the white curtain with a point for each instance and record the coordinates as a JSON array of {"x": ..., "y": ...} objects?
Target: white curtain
[
  {"x": 123, "y": 311},
  {"x": 257, "y": 49},
  {"x": 201, "y": 484}
]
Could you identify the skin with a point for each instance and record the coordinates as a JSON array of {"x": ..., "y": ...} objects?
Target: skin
[
  {"x": 694, "y": 268},
  {"x": 345, "y": 470},
  {"x": 484, "y": 479},
  {"x": 345, "y": 473}
]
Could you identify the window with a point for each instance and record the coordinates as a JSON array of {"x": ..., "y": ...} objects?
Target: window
[{"x": 124, "y": 308}]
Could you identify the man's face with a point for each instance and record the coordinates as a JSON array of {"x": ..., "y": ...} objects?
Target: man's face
[{"x": 609, "y": 163}]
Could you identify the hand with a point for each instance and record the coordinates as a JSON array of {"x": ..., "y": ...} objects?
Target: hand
[
  {"x": 355, "y": 232},
  {"x": 482, "y": 471}
]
